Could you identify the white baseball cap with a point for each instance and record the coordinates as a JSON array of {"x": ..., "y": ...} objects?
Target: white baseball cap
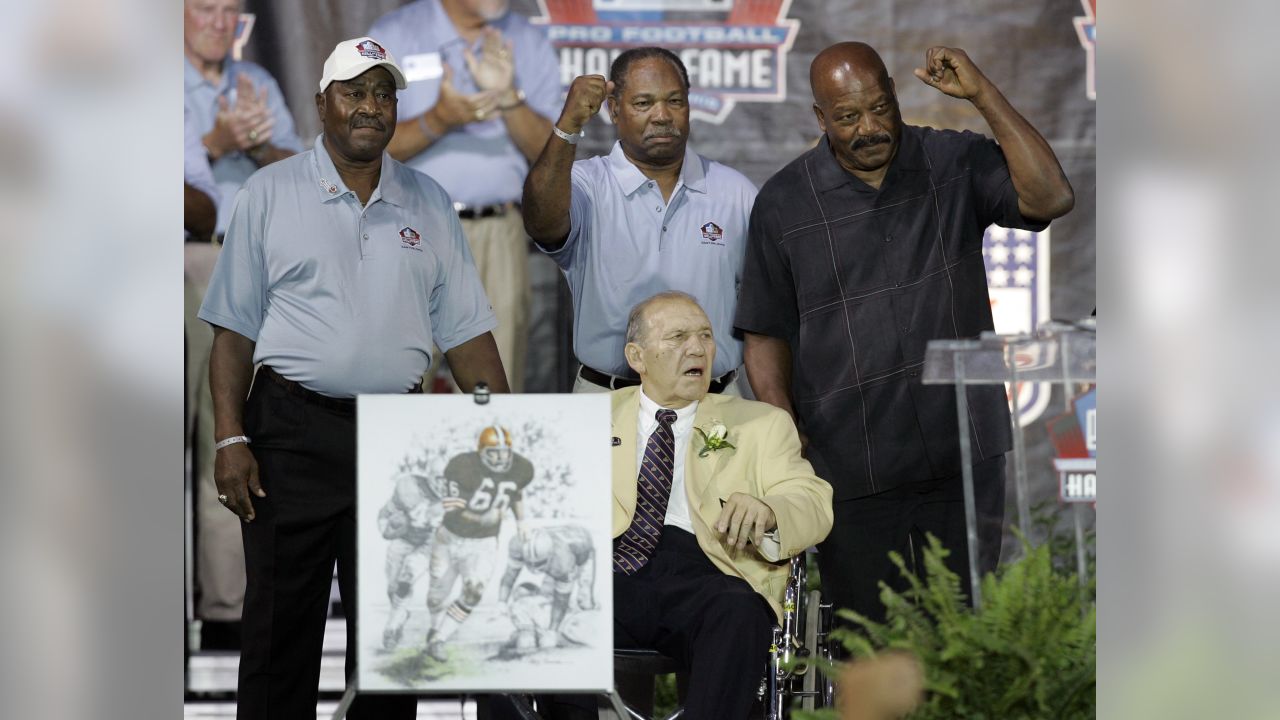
[{"x": 353, "y": 57}]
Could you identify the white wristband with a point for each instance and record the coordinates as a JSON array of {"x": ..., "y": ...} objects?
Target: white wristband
[
  {"x": 572, "y": 139},
  {"x": 233, "y": 440}
]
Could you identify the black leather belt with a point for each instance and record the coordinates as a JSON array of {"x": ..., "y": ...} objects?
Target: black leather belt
[
  {"x": 346, "y": 406},
  {"x": 472, "y": 212},
  {"x": 612, "y": 382}
]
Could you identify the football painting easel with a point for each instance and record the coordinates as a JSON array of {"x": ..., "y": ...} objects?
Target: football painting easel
[{"x": 482, "y": 545}]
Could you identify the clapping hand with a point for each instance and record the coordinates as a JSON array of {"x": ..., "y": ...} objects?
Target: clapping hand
[
  {"x": 244, "y": 125},
  {"x": 495, "y": 69},
  {"x": 454, "y": 108}
]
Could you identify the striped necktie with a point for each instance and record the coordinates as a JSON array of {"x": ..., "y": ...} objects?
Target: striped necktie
[{"x": 633, "y": 549}]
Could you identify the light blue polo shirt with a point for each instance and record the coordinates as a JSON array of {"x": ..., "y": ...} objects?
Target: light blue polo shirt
[
  {"x": 627, "y": 244},
  {"x": 195, "y": 162},
  {"x": 341, "y": 298},
  {"x": 477, "y": 163},
  {"x": 201, "y": 101}
]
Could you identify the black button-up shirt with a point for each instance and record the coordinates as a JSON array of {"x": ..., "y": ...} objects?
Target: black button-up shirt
[{"x": 859, "y": 280}]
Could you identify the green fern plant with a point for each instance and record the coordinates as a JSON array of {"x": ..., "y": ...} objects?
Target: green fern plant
[{"x": 1030, "y": 652}]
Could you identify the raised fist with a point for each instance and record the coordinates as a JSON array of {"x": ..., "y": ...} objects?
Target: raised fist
[
  {"x": 586, "y": 95},
  {"x": 952, "y": 72}
]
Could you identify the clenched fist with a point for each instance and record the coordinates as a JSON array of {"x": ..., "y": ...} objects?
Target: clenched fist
[
  {"x": 586, "y": 95},
  {"x": 951, "y": 71}
]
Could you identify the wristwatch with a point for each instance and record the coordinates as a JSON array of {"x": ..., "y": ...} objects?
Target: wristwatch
[
  {"x": 517, "y": 99},
  {"x": 572, "y": 139}
]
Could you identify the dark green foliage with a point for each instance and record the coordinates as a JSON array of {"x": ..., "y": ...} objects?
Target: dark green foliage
[
  {"x": 665, "y": 697},
  {"x": 1029, "y": 653},
  {"x": 1051, "y": 521}
]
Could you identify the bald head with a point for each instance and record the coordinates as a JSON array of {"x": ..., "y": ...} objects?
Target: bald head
[
  {"x": 857, "y": 109},
  {"x": 843, "y": 65}
]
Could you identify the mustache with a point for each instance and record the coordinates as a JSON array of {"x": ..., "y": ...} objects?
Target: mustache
[
  {"x": 368, "y": 122},
  {"x": 664, "y": 132},
  {"x": 869, "y": 140}
]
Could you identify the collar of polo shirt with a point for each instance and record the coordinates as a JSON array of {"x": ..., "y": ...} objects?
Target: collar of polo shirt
[
  {"x": 388, "y": 189},
  {"x": 692, "y": 174}
]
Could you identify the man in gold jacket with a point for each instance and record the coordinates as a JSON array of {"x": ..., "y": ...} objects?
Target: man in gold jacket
[{"x": 697, "y": 572}]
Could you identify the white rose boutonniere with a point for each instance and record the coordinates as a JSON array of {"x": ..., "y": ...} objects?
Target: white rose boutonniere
[{"x": 713, "y": 438}]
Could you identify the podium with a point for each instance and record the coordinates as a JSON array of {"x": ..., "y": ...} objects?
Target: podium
[{"x": 1057, "y": 353}]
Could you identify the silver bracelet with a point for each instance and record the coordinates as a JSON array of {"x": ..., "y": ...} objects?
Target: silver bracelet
[{"x": 233, "y": 440}]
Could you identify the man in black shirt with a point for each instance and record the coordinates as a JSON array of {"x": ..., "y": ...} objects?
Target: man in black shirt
[{"x": 860, "y": 252}]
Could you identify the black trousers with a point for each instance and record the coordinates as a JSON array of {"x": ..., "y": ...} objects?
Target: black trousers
[
  {"x": 854, "y": 558},
  {"x": 307, "y": 464},
  {"x": 715, "y": 625}
]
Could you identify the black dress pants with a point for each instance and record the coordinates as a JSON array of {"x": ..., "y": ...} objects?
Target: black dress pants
[
  {"x": 307, "y": 465},
  {"x": 715, "y": 625},
  {"x": 854, "y": 558}
]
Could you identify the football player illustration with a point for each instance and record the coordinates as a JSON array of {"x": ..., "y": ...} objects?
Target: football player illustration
[
  {"x": 482, "y": 485},
  {"x": 565, "y": 557},
  {"x": 408, "y": 520}
]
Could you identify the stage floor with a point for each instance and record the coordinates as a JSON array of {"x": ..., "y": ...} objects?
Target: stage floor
[{"x": 211, "y": 684}]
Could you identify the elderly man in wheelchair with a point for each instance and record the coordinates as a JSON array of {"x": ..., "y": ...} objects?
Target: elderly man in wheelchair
[{"x": 711, "y": 497}]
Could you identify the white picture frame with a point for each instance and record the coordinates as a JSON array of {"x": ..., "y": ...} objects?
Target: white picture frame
[{"x": 422, "y": 482}]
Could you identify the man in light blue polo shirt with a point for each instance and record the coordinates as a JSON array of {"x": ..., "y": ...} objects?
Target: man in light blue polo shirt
[
  {"x": 341, "y": 269},
  {"x": 650, "y": 217},
  {"x": 241, "y": 123},
  {"x": 237, "y": 106},
  {"x": 200, "y": 209},
  {"x": 483, "y": 87}
]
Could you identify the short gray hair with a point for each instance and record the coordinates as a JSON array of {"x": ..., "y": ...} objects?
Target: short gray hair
[{"x": 636, "y": 318}]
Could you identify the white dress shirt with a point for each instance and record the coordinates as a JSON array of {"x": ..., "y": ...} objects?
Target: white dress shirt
[
  {"x": 678, "y": 503},
  {"x": 682, "y": 428}
]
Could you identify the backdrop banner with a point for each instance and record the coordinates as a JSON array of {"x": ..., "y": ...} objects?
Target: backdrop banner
[{"x": 748, "y": 62}]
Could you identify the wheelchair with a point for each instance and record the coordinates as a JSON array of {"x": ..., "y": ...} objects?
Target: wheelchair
[
  {"x": 792, "y": 673},
  {"x": 802, "y": 638}
]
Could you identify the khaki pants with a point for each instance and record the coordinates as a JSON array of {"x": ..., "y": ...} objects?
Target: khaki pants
[
  {"x": 219, "y": 549},
  {"x": 501, "y": 252}
]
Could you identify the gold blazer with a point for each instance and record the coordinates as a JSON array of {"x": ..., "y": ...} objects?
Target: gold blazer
[{"x": 765, "y": 463}]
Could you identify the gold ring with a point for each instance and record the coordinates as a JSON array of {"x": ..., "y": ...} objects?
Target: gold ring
[
  {"x": 479, "y": 114},
  {"x": 222, "y": 499},
  {"x": 253, "y": 135}
]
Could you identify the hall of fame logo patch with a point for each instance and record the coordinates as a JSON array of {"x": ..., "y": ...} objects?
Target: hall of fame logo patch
[
  {"x": 409, "y": 238},
  {"x": 712, "y": 234},
  {"x": 1018, "y": 284},
  {"x": 371, "y": 50},
  {"x": 1087, "y": 31},
  {"x": 735, "y": 50}
]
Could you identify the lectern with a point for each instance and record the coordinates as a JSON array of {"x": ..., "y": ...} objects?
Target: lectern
[{"x": 1057, "y": 353}]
